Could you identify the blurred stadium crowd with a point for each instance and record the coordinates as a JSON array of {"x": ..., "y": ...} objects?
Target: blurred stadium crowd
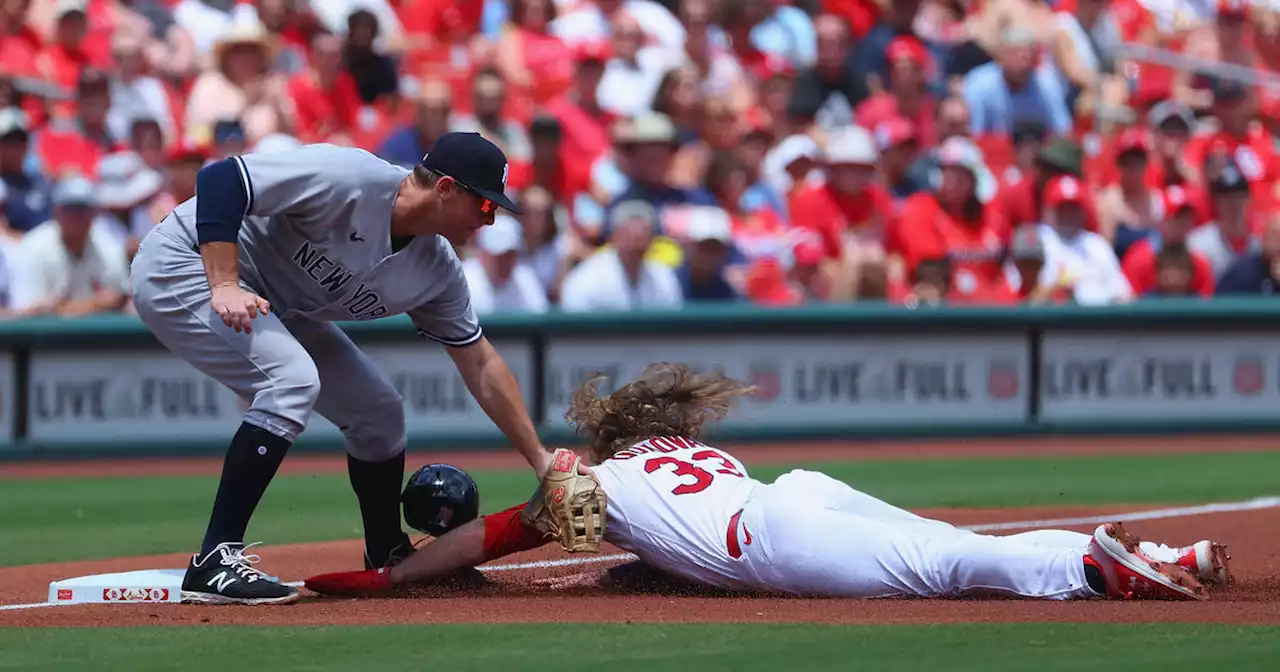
[{"x": 676, "y": 151}]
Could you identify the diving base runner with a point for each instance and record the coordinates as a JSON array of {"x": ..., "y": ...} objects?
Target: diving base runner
[
  {"x": 690, "y": 510},
  {"x": 245, "y": 282}
]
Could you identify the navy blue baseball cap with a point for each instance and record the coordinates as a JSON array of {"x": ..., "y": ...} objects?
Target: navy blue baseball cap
[{"x": 477, "y": 165}]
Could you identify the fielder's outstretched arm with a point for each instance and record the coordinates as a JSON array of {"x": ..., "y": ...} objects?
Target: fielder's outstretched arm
[{"x": 490, "y": 381}]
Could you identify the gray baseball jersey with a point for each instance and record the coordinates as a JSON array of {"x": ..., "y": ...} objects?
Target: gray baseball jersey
[{"x": 316, "y": 243}]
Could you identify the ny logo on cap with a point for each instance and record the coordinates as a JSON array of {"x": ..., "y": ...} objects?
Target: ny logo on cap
[{"x": 506, "y": 170}]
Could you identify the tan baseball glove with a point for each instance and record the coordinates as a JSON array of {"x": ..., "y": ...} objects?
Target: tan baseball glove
[{"x": 568, "y": 506}]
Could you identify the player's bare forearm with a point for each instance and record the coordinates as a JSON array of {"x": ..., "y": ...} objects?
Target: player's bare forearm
[
  {"x": 460, "y": 548},
  {"x": 481, "y": 540},
  {"x": 221, "y": 263},
  {"x": 496, "y": 390}
]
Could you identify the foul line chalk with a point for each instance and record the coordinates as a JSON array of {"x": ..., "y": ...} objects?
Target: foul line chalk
[{"x": 1254, "y": 504}]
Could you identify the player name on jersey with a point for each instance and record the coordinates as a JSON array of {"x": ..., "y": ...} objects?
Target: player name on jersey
[{"x": 659, "y": 444}]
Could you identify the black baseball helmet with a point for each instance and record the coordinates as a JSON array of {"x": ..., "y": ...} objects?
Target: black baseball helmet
[{"x": 439, "y": 498}]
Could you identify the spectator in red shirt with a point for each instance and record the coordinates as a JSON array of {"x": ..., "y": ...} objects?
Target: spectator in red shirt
[
  {"x": 908, "y": 91},
  {"x": 1252, "y": 147},
  {"x": 77, "y": 143},
  {"x": 849, "y": 210},
  {"x": 1023, "y": 201},
  {"x": 954, "y": 223},
  {"x": 531, "y": 59},
  {"x": 1128, "y": 209},
  {"x": 324, "y": 95},
  {"x": 548, "y": 168},
  {"x": 20, "y": 44},
  {"x": 1141, "y": 265},
  {"x": 1176, "y": 271},
  {"x": 584, "y": 124},
  {"x": 62, "y": 59}
]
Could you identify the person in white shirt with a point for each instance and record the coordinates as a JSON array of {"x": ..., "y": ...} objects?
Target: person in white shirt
[
  {"x": 632, "y": 76},
  {"x": 1081, "y": 260},
  {"x": 618, "y": 277},
  {"x": 582, "y": 21},
  {"x": 67, "y": 266},
  {"x": 498, "y": 280}
]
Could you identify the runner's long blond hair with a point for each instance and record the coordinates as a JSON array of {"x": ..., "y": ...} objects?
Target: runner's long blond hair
[{"x": 667, "y": 400}]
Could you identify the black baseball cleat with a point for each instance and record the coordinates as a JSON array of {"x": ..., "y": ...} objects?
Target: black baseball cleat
[
  {"x": 227, "y": 576},
  {"x": 388, "y": 556}
]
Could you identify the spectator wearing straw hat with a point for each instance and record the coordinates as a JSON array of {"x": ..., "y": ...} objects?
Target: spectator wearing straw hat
[
  {"x": 67, "y": 266},
  {"x": 126, "y": 192},
  {"x": 498, "y": 280},
  {"x": 240, "y": 86}
]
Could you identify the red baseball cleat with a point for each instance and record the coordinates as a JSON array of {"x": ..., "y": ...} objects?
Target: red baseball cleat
[
  {"x": 1132, "y": 574},
  {"x": 352, "y": 584},
  {"x": 1206, "y": 561}
]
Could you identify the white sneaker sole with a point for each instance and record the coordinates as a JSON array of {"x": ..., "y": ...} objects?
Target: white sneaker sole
[
  {"x": 1116, "y": 550},
  {"x": 193, "y": 597}
]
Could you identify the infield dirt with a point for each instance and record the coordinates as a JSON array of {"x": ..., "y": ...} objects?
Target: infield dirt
[{"x": 513, "y": 596}]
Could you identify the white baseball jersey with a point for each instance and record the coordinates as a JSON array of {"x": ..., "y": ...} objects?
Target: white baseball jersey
[{"x": 672, "y": 502}]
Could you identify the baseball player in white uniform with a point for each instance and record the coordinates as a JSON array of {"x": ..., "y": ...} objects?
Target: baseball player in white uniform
[
  {"x": 245, "y": 282},
  {"x": 691, "y": 511}
]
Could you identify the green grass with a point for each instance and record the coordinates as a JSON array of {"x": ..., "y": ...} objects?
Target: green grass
[
  {"x": 86, "y": 518},
  {"x": 955, "y": 648}
]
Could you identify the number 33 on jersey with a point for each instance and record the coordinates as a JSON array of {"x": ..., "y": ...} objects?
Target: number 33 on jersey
[{"x": 671, "y": 500}]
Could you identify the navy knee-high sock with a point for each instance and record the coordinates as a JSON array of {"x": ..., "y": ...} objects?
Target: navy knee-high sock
[
  {"x": 377, "y": 486},
  {"x": 252, "y": 460}
]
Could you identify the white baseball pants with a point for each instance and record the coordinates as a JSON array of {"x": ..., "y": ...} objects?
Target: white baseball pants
[{"x": 813, "y": 535}]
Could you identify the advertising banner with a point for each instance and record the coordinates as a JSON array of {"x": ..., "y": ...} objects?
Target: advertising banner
[
  {"x": 111, "y": 395},
  {"x": 88, "y": 396},
  {"x": 827, "y": 381},
  {"x": 1144, "y": 376}
]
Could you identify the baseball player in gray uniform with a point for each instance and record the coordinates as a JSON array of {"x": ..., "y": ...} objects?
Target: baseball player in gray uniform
[{"x": 245, "y": 282}]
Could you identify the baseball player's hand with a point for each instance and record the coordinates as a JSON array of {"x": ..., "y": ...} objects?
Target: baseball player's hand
[{"x": 237, "y": 307}]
